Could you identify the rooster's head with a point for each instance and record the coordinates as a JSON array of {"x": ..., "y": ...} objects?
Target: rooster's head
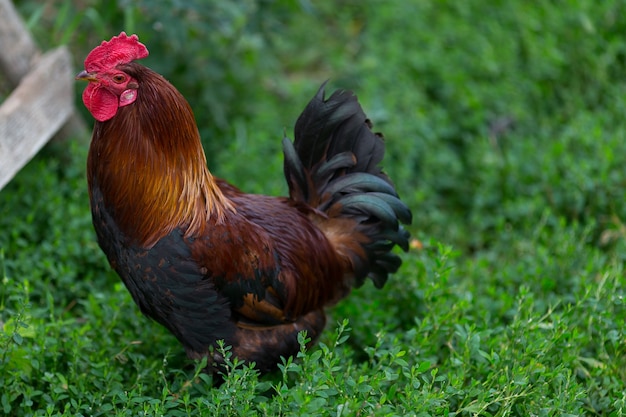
[{"x": 109, "y": 86}]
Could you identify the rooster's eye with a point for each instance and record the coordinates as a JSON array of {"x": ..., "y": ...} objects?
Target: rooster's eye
[{"x": 119, "y": 78}]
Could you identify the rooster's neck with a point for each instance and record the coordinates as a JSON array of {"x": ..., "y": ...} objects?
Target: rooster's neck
[{"x": 150, "y": 168}]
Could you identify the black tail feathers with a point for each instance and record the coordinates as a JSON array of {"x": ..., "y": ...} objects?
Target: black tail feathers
[{"x": 333, "y": 166}]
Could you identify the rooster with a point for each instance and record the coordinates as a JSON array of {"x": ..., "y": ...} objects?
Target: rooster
[{"x": 209, "y": 262}]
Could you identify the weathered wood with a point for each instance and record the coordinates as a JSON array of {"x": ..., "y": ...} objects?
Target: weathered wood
[
  {"x": 45, "y": 96},
  {"x": 17, "y": 48},
  {"x": 35, "y": 111}
]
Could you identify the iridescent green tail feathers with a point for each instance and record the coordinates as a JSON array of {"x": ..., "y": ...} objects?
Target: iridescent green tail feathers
[{"x": 333, "y": 166}]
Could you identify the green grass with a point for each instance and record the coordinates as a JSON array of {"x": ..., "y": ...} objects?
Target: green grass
[{"x": 506, "y": 135}]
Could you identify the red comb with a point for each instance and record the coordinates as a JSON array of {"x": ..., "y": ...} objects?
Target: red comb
[{"x": 120, "y": 49}]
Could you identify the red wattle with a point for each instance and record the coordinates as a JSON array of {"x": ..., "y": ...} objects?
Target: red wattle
[{"x": 101, "y": 103}]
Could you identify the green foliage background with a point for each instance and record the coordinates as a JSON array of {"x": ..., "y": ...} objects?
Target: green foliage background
[{"x": 505, "y": 134}]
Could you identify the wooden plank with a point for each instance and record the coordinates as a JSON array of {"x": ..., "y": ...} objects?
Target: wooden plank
[
  {"x": 18, "y": 52},
  {"x": 17, "y": 47},
  {"x": 35, "y": 111}
]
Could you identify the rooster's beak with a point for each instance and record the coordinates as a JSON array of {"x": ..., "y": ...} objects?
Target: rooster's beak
[{"x": 86, "y": 76}]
